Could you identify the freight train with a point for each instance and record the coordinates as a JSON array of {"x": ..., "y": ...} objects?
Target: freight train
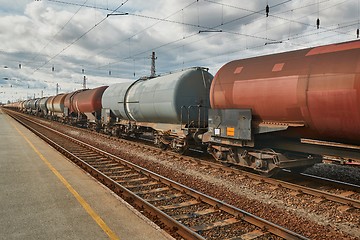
[{"x": 258, "y": 112}]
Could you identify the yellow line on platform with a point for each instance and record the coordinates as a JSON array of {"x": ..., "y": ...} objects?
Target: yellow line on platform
[{"x": 80, "y": 199}]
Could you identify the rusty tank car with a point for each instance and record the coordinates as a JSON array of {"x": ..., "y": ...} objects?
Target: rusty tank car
[
  {"x": 87, "y": 106},
  {"x": 265, "y": 104}
]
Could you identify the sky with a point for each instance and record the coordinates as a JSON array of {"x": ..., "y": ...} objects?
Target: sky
[{"x": 50, "y": 43}]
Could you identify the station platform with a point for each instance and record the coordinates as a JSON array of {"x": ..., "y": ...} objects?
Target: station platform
[{"x": 45, "y": 196}]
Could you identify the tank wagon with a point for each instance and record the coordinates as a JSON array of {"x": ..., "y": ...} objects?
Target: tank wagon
[
  {"x": 15, "y": 105},
  {"x": 264, "y": 105},
  {"x": 86, "y": 106},
  {"x": 172, "y": 107},
  {"x": 21, "y": 106},
  {"x": 69, "y": 110},
  {"x": 42, "y": 109},
  {"x": 27, "y": 106},
  {"x": 33, "y": 104},
  {"x": 283, "y": 110},
  {"x": 49, "y": 105},
  {"x": 58, "y": 104}
]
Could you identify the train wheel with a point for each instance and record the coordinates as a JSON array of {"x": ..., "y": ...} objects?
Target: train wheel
[
  {"x": 159, "y": 143},
  {"x": 182, "y": 150},
  {"x": 266, "y": 164},
  {"x": 163, "y": 146},
  {"x": 179, "y": 145}
]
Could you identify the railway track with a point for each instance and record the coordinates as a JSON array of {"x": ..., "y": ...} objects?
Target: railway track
[
  {"x": 323, "y": 190},
  {"x": 183, "y": 212}
]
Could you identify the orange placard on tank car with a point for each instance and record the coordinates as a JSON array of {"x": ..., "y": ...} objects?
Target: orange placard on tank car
[{"x": 230, "y": 131}]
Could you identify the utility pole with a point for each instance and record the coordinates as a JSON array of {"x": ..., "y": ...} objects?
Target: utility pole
[
  {"x": 84, "y": 83},
  {"x": 153, "y": 71},
  {"x": 57, "y": 88}
]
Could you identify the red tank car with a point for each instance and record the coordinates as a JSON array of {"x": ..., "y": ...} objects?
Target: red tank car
[
  {"x": 309, "y": 93},
  {"x": 68, "y": 107},
  {"x": 88, "y": 103}
]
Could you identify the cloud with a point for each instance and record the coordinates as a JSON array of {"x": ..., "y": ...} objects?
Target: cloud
[{"x": 42, "y": 35}]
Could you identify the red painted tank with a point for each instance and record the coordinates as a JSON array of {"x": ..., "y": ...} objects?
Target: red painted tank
[
  {"x": 319, "y": 87},
  {"x": 69, "y": 99},
  {"x": 88, "y": 101}
]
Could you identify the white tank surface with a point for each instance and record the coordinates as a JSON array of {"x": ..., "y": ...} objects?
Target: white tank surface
[
  {"x": 164, "y": 99},
  {"x": 42, "y": 105},
  {"x": 33, "y": 104},
  {"x": 113, "y": 99}
]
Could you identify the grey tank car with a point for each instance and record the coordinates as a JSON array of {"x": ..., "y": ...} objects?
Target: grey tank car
[{"x": 172, "y": 107}]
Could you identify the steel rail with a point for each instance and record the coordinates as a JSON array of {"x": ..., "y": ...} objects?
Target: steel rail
[{"x": 295, "y": 187}]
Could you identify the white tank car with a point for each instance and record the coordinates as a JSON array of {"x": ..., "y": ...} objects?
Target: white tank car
[{"x": 171, "y": 105}]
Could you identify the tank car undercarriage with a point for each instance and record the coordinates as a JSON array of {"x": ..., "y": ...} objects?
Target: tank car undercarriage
[
  {"x": 164, "y": 136},
  {"x": 266, "y": 162},
  {"x": 234, "y": 138}
]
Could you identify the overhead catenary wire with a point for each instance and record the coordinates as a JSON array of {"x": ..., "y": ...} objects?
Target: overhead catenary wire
[
  {"x": 143, "y": 30},
  {"x": 205, "y": 29},
  {"x": 58, "y": 32},
  {"x": 336, "y": 28},
  {"x": 189, "y": 36},
  {"x": 343, "y": 28},
  {"x": 80, "y": 37},
  {"x": 188, "y": 24},
  {"x": 214, "y": 27}
]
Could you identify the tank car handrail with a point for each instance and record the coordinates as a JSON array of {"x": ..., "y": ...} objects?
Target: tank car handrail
[{"x": 188, "y": 109}]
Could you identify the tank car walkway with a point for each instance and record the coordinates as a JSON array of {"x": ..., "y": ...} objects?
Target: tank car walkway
[{"x": 44, "y": 196}]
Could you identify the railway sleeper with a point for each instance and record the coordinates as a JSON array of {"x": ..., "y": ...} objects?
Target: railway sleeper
[
  {"x": 100, "y": 165},
  {"x": 156, "y": 190},
  {"x": 251, "y": 235},
  {"x": 213, "y": 225},
  {"x": 122, "y": 181},
  {"x": 178, "y": 205},
  {"x": 195, "y": 214},
  {"x": 148, "y": 184},
  {"x": 168, "y": 197}
]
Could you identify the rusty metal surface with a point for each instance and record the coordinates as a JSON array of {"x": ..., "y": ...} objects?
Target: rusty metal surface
[
  {"x": 69, "y": 99},
  {"x": 49, "y": 104},
  {"x": 319, "y": 87},
  {"x": 58, "y": 103},
  {"x": 88, "y": 101}
]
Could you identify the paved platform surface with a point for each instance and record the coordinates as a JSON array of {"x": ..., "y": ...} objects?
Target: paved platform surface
[{"x": 36, "y": 204}]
